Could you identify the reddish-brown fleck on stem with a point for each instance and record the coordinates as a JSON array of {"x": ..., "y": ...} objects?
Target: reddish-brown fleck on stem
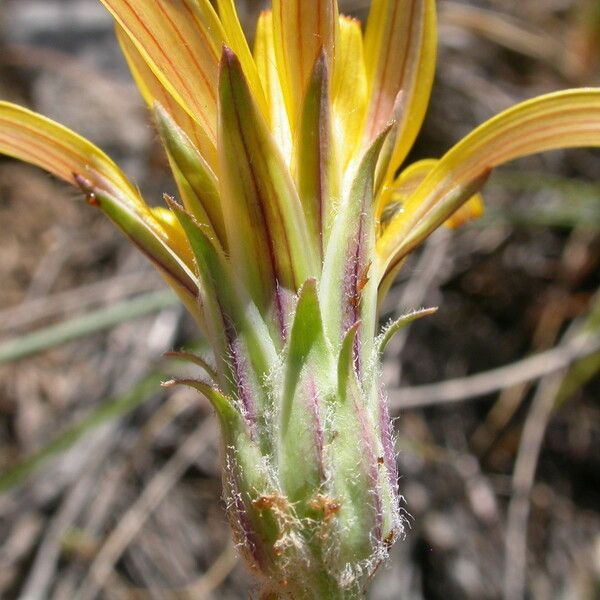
[{"x": 87, "y": 187}]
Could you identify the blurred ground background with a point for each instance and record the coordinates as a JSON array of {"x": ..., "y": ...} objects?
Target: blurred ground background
[{"x": 109, "y": 486}]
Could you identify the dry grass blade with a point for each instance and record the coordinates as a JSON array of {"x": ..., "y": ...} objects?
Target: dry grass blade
[
  {"x": 78, "y": 327},
  {"x": 48, "y": 553},
  {"x": 501, "y": 29},
  {"x": 108, "y": 410},
  {"x": 49, "y": 306},
  {"x": 515, "y": 554},
  {"x": 204, "y": 586},
  {"x": 482, "y": 384},
  {"x": 133, "y": 520}
]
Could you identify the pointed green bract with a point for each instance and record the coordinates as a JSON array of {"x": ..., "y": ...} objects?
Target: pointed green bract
[
  {"x": 388, "y": 147},
  {"x": 226, "y": 304},
  {"x": 305, "y": 386},
  {"x": 209, "y": 269},
  {"x": 141, "y": 232},
  {"x": 318, "y": 174},
  {"x": 196, "y": 172},
  {"x": 354, "y": 455},
  {"x": 394, "y": 327},
  {"x": 267, "y": 234},
  {"x": 246, "y": 478},
  {"x": 238, "y": 43},
  {"x": 244, "y": 349},
  {"x": 348, "y": 284},
  {"x": 192, "y": 203},
  {"x": 301, "y": 30},
  {"x": 306, "y": 333},
  {"x": 228, "y": 415},
  {"x": 346, "y": 375}
]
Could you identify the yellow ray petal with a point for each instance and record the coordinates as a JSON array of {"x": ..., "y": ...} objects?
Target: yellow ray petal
[
  {"x": 264, "y": 56},
  {"x": 153, "y": 91},
  {"x": 472, "y": 209},
  {"x": 159, "y": 245},
  {"x": 35, "y": 139},
  {"x": 398, "y": 202},
  {"x": 349, "y": 89},
  {"x": 560, "y": 120},
  {"x": 174, "y": 234},
  {"x": 400, "y": 54},
  {"x": 301, "y": 29},
  {"x": 395, "y": 202},
  {"x": 181, "y": 42},
  {"x": 236, "y": 40},
  {"x": 267, "y": 234}
]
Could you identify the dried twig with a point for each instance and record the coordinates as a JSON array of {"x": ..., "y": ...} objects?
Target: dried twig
[
  {"x": 42, "y": 572},
  {"x": 37, "y": 309},
  {"x": 523, "y": 479},
  {"x": 133, "y": 520},
  {"x": 43, "y": 569},
  {"x": 482, "y": 384},
  {"x": 501, "y": 29},
  {"x": 203, "y": 587}
]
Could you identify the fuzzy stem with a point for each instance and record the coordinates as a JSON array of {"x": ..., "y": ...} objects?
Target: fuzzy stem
[{"x": 320, "y": 588}]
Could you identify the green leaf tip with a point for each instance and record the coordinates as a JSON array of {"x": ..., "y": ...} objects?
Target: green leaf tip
[
  {"x": 392, "y": 328},
  {"x": 269, "y": 243},
  {"x": 194, "y": 359},
  {"x": 223, "y": 405},
  {"x": 306, "y": 332},
  {"x": 316, "y": 167},
  {"x": 346, "y": 374},
  {"x": 202, "y": 199}
]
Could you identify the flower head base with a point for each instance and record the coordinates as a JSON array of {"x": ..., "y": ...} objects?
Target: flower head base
[{"x": 294, "y": 213}]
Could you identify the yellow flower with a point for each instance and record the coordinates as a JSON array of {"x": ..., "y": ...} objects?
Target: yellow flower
[
  {"x": 360, "y": 85},
  {"x": 295, "y": 211}
]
